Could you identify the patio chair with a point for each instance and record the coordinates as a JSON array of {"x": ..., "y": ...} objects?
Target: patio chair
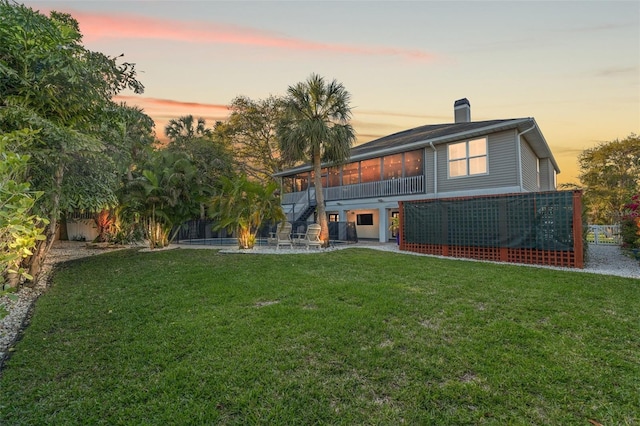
[
  {"x": 273, "y": 236},
  {"x": 283, "y": 236},
  {"x": 311, "y": 238}
]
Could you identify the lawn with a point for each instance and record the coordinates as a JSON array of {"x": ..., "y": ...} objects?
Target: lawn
[{"x": 346, "y": 337}]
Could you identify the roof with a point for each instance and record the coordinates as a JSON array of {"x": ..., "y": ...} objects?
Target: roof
[
  {"x": 434, "y": 134},
  {"x": 423, "y": 133}
]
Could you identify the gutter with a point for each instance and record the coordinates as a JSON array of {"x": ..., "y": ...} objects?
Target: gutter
[
  {"x": 519, "y": 151},
  {"x": 435, "y": 169}
]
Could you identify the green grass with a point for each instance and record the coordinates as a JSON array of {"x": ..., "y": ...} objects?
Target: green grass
[{"x": 346, "y": 337}]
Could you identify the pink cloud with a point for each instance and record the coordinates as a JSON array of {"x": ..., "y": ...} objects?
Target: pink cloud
[
  {"x": 95, "y": 27},
  {"x": 170, "y": 103},
  {"x": 164, "y": 110}
]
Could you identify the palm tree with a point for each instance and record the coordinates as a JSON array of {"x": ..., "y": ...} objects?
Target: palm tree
[
  {"x": 185, "y": 129},
  {"x": 315, "y": 129},
  {"x": 244, "y": 206},
  {"x": 208, "y": 153},
  {"x": 165, "y": 195}
]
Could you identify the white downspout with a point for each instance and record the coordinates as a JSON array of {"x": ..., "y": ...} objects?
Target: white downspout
[
  {"x": 519, "y": 151},
  {"x": 435, "y": 169}
]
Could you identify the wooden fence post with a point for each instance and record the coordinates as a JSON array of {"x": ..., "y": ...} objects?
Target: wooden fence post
[{"x": 578, "y": 245}]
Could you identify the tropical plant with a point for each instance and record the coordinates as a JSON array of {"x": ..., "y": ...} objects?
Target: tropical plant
[
  {"x": 164, "y": 196},
  {"x": 20, "y": 228},
  {"x": 105, "y": 221},
  {"x": 244, "y": 206},
  {"x": 394, "y": 224},
  {"x": 316, "y": 129},
  {"x": 209, "y": 153},
  {"x": 182, "y": 130},
  {"x": 115, "y": 228}
]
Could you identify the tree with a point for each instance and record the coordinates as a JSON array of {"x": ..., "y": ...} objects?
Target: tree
[
  {"x": 163, "y": 196},
  {"x": 316, "y": 129},
  {"x": 131, "y": 135},
  {"x": 251, "y": 128},
  {"x": 610, "y": 175},
  {"x": 209, "y": 154},
  {"x": 185, "y": 129},
  {"x": 244, "y": 206},
  {"x": 50, "y": 83}
]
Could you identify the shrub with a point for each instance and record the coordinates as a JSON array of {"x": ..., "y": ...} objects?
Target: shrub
[{"x": 630, "y": 225}]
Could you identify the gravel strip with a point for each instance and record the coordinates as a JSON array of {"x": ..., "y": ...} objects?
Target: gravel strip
[
  {"x": 602, "y": 259},
  {"x": 609, "y": 260}
]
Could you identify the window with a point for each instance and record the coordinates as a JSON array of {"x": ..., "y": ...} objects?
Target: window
[
  {"x": 370, "y": 170},
  {"x": 413, "y": 163},
  {"x": 301, "y": 182},
  {"x": 468, "y": 158},
  {"x": 323, "y": 177},
  {"x": 334, "y": 176},
  {"x": 365, "y": 219},
  {"x": 334, "y": 217},
  {"x": 351, "y": 173},
  {"x": 288, "y": 184},
  {"x": 392, "y": 166}
]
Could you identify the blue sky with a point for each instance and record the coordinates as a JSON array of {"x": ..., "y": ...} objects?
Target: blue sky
[{"x": 574, "y": 66}]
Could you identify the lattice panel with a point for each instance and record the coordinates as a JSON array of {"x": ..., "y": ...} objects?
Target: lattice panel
[{"x": 533, "y": 228}]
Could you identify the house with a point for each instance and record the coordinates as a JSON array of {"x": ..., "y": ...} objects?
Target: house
[{"x": 463, "y": 158}]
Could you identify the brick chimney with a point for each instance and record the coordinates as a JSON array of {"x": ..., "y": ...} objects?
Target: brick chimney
[{"x": 462, "y": 111}]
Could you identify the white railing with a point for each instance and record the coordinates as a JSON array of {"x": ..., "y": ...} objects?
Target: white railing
[
  {"x": 299, "y": 202},
  {"x": 385, "y": 188},
  {"x": 295, "y": 198},
  {"x": 604, "y": 234}
]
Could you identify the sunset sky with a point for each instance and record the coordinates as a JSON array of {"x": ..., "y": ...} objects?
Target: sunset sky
[{"x": 574, "y": 65}]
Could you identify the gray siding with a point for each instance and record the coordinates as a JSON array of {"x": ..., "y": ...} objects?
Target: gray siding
[
  {"x": 529, "y": 167},
  {"x": 428, "y": 170},
  {"x": 502, "y": 167},
  {"x": 546, "y": 175}
]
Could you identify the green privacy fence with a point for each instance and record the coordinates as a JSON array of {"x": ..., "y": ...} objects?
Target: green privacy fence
[{"x": 541, "y": 227}]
